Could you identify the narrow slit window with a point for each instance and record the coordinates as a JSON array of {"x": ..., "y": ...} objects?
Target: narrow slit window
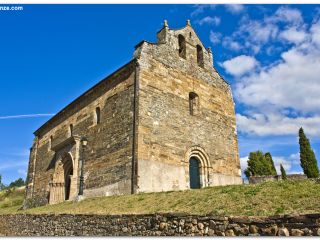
[
  {"x": 71, "y": 130},
  {"x": 182, "y": 46},
  {"x": 193, "y": 103},
  {"x": 200, "y": 56},
  {"x": 98, "y": 115},
  {"x": 50, "y": 143}
]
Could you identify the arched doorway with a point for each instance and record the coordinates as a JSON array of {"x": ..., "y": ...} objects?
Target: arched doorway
[
  {"x": 68, "y": 172},
  {"x": 61, "y": 184},
  {"x": 199, "y": 167},
  {"x": 194, "y": 173}
]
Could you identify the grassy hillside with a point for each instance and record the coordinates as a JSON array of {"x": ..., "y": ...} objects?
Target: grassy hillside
[
  {"x": 11, "y": 200},
  {"x": 259, "y": 200}
]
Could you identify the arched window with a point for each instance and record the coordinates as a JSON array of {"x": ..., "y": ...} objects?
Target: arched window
[
  {"x": 200, "y": 56},
  {"x": 71, "y": 130},
  {"x": 98, "y": 119},
  {"x": 193, "y": 103},
  {"x": 182, "y": 46}
]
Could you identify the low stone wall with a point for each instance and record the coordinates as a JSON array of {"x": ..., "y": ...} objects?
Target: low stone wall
[
  {"x": 260, "y": 179},
  {"x": 158, "y": 225},
  {"x": 297, "y": 176}
]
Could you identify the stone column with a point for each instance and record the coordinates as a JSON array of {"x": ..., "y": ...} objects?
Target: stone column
[{"x": 74, "y": 184}]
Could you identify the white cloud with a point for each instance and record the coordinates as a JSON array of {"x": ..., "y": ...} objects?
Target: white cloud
[
  {"x": 315, "y": 33},
  {"x": 295, "y": 158},
  {"x": 284, "y": 96},
  {"x": 240, "y": 65},
  {"x": 215, "y": 37},
  {"x": 209, "y": 20},
  {"x": 293, "y": 35},
  {"x": 244, "y": 164},
  {"x": 231, "y": 44},
  {"x": 284, "y": 26},
  {"x": 288, "y": 15},
  {"x": 234, "y": 8},
  {"x": 276, "y": 125},
  {"x": 281, "y": 160},
  {"x": 199, "y": 8},
  {"x": 289, "y": 163},
  {"x": 257, "y": 31},
  {"x": 292, "y": 83},
  {"x": 251, "y": 35},
  {"x": 281, "y": 96}
]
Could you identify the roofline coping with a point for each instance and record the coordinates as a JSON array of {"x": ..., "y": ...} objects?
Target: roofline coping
[{"x": 37, "y": 132}]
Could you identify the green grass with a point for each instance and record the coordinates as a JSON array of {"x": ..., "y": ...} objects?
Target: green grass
[
  {"x": 270, "y": 198},
  {"x": 11, "y": 200}
]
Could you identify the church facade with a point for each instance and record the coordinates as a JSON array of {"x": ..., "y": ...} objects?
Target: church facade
[{"x": 164, "y": 121}]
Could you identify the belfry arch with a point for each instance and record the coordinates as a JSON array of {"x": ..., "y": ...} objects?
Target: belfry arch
[
  {"x": 63, "y": 182},
  {"x": 198, "y": 154}
]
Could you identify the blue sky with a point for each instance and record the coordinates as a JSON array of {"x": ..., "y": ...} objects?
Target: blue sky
[{"x": 270, "y": 55}]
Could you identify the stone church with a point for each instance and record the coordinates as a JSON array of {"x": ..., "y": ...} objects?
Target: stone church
[{"x": 164, "y": 121}]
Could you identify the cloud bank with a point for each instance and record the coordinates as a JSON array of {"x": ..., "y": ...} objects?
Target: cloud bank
[{"x": 282, "y": 96}]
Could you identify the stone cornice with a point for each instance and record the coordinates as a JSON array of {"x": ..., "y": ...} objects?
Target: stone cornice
[{"x": 66, "y": 142}]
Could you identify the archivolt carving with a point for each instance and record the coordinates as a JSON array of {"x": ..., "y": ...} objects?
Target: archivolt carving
[
  {"x": 200, "y": 154},
  {"x": 62, "y": 181}
]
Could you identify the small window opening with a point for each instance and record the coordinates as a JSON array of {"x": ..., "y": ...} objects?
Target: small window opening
[
  {"x": 193, "y": 103},
  {"x": 200, "y": 56},
  {"x": 71, "y": 130},
  {"x": 98, "y": 119},
  {"x": 182, "y": 46},
  {"x": 50, "y": 143}
]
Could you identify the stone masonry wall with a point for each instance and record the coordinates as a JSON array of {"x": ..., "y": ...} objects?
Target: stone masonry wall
[
  {"x": 166, "y": 129},
  {"x": 260, "y": 179},
  {"x": 107, "y": 168},
  {"x": 158, "y": 225}
]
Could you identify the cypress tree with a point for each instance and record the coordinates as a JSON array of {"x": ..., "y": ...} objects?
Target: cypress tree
[
  {"x": 260, "y": 164},
  {"x": 269, "y": 161},
  {"x": 17, "y": 183},
  {"x": 247, "y": 173},
  {"x": 283, "y": 173},
  {"x": 308, "y": 159},
  {"x": 255, "y": 163}
]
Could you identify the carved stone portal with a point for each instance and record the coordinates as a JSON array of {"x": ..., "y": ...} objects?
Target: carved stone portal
[{"x": 64, "y": 184}]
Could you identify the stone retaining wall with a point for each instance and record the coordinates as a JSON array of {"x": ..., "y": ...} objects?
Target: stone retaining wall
[
  {"x": 158, "y": 225},
  {"x": 260, "y": 179}
]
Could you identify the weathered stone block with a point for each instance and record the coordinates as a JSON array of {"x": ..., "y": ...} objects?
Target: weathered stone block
[
  {"x": 283, "y": 232},
  {"x": 253, "y": 229},
  {"x": 296, "y": 232}
]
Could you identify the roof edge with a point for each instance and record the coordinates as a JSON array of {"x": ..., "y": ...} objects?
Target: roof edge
[
  {"x": 53, "y": 118},
  {"x": 144, "y": 41}
]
